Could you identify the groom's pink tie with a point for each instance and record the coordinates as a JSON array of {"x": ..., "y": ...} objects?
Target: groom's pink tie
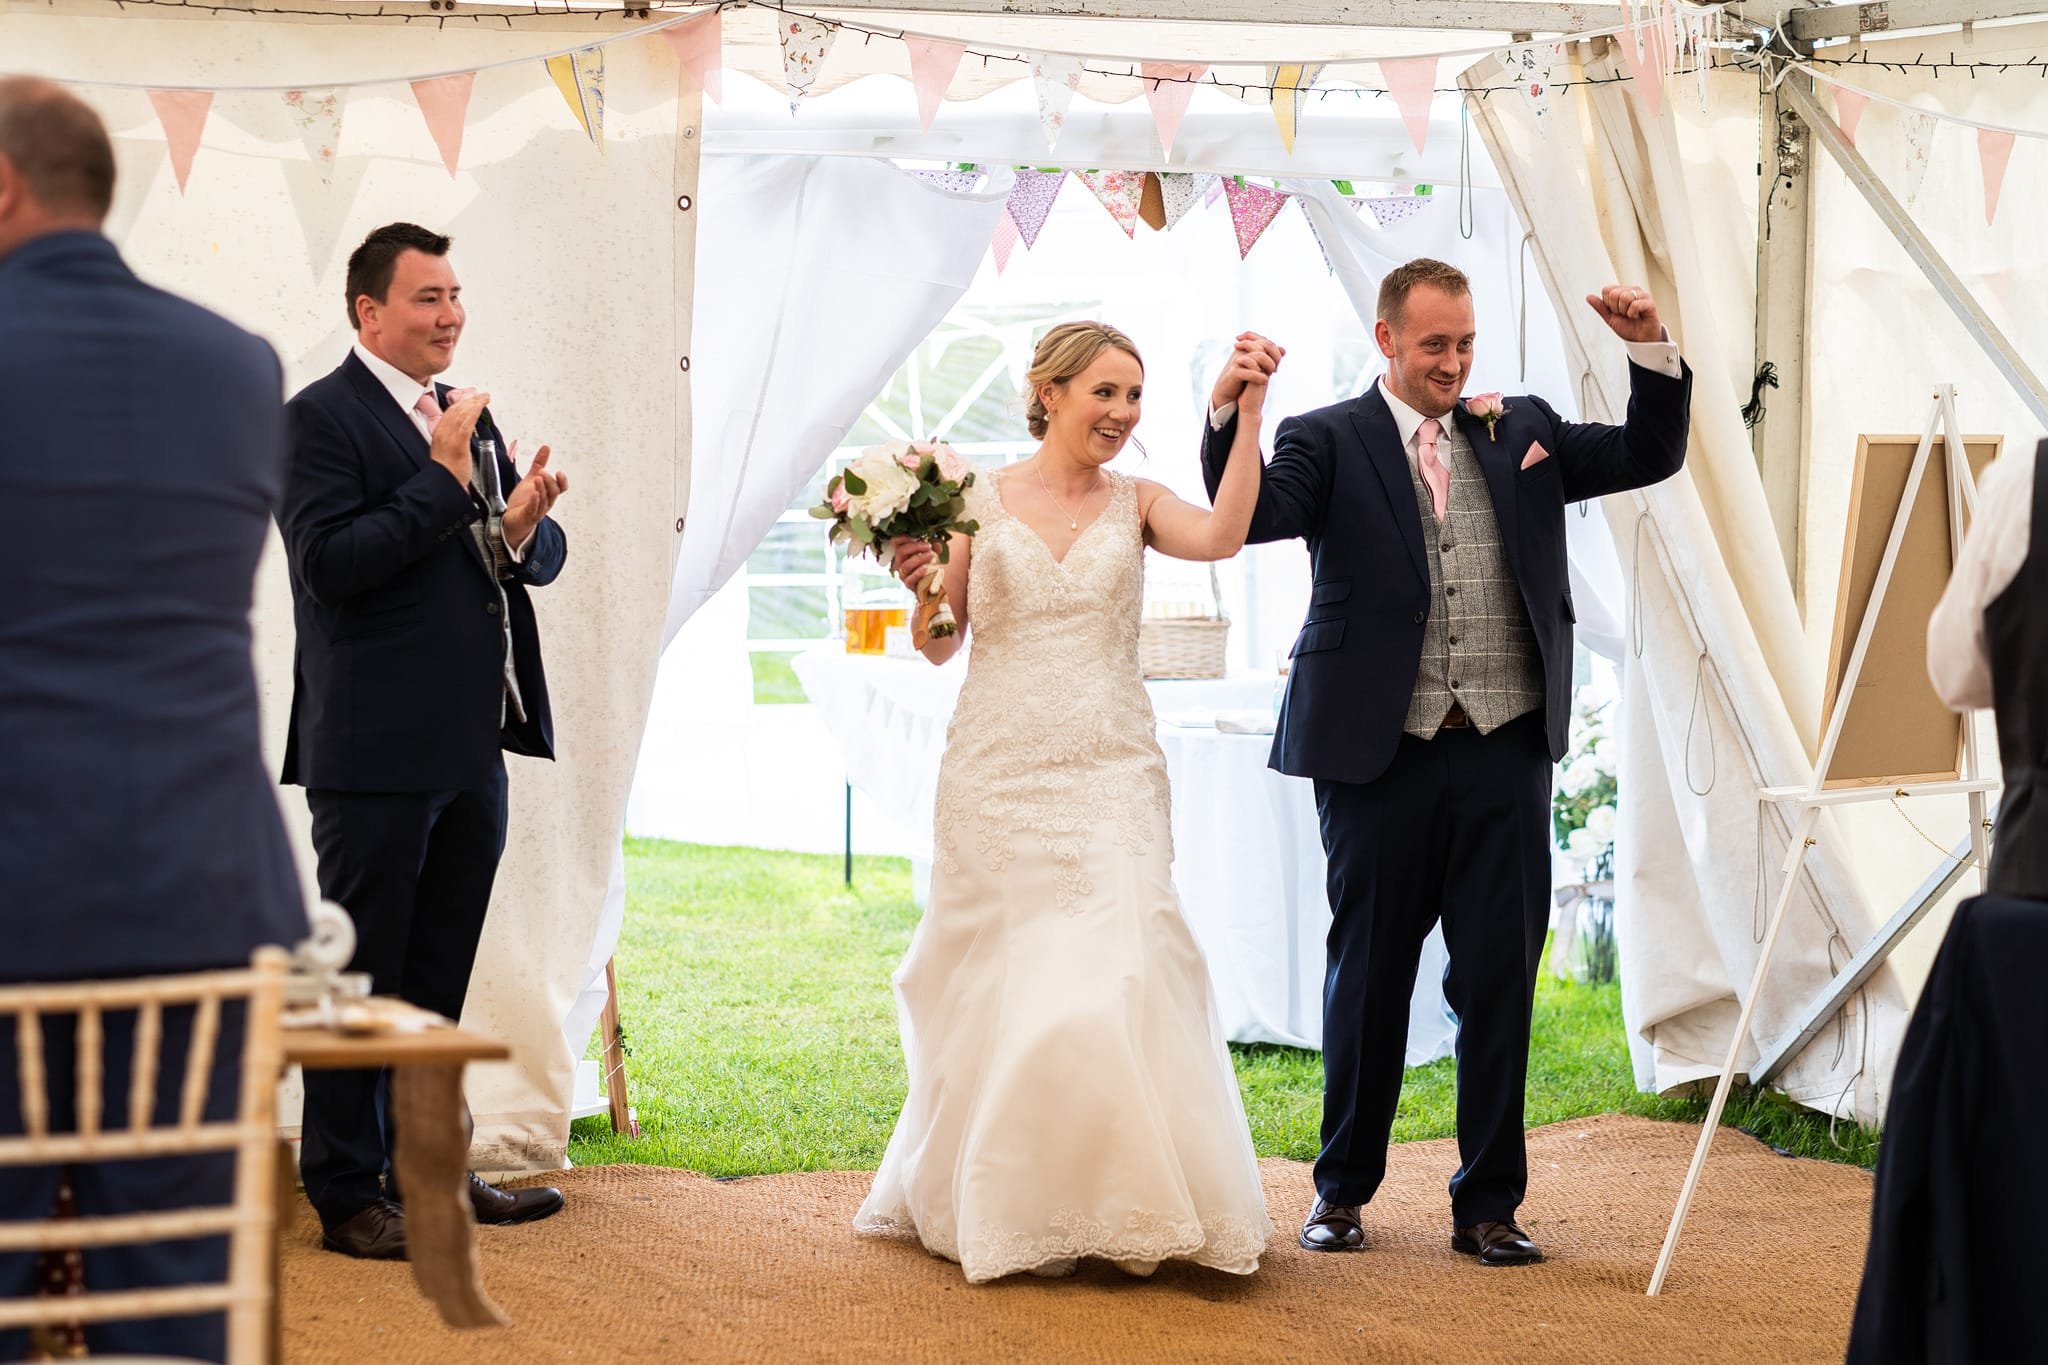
[
  {"x": 1436, "y": 475},
  {"x": 428, "y": 407}
]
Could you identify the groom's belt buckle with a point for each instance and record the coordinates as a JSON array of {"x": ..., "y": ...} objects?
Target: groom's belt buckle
[{"x": 1455, "y": 718}]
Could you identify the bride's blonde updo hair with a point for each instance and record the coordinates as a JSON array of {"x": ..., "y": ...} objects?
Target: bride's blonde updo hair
[{"x": 1064, "y": 352}]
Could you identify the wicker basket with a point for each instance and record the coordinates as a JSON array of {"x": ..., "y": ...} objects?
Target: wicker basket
[{"x": 1185, "y": 646}]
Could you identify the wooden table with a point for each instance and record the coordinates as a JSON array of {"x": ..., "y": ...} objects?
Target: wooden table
[{"x": 432, "y": 1155}]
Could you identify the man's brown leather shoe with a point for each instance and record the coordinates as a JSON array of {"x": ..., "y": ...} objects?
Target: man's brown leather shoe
[
  {"x": 376, "y": 1233},
  {"x": 1332, "y": 1227},
  {"x": 498, "y": 1206},
  {"x": 1496, "y": 1244}
]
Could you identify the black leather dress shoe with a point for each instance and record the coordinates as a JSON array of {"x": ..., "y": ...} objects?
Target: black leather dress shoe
[
  {"x": 1333, "y": 1227},
  {"x": 376, "y": 1233},
  {"x": 499, "y": 1207},
  {"x": 1496, "y": 1244}
]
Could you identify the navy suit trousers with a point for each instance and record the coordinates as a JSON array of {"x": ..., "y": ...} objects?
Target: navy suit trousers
[{"x": 1456, "y": 829}]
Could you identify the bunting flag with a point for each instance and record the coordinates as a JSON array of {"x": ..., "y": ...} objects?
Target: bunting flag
[
  {"x": 1252, "y": 210},
  {"x": 1391, "y": 209},
  {"x": 1005, "y": 242},
  {"x": 1642, "y": 52},
  {"x": 1152, "y": 205},
  {"x": 804, "y": 45},
  {"x": 933, "y": 61},
  {"x": 1291, "y": 83},
  {"x": 580, "y": 78},
  {"x": 1531, "y": 67},
  {"x": 1849, "y": 105},
  {"x": 700, "y": 46},
  {"x": 1412, "y": 83},
  {"x": 1057, "y": 78},
  {"x": 318, "y": 116},
  {"x": 1213, "y": 191},
  {"x": 444, "y": 102},
  {"x": 1168, "y": 88},
  {"x": 183, "y": 115},
  {"x": 1329, "y": 264},
  {"x": 1918, "y": 127},
  {"x": 1031, "y": 202},
  {"x": 1178, "y": 193},
  {"x": 1120, "y": 192},
  {"x": 953, "y": 182},
  {"x": 1994, "y": 149}
]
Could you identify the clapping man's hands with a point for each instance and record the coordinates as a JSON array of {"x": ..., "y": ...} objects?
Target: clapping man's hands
[{"x": 531, "y": 498}]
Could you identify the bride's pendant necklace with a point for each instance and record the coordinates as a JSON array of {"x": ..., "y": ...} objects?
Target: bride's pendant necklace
[{"x": 1073, "y": 522}]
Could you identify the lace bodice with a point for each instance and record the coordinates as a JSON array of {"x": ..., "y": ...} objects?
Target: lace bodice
[{"x": 1053, "y": 734}]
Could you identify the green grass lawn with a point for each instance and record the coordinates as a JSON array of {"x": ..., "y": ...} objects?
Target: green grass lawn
[{"x": 761, "y": 1033}]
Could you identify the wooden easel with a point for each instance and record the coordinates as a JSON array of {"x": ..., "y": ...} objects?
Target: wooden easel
[
  {"x": 1820, "y": 793},
  {"x": 614, "y": 1056}
]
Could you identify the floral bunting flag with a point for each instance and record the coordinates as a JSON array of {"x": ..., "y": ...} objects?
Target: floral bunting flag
[
  {"x": 1994, "y": 149},
  {"x": 580, "y": 78},
  {"x": 1412, "y": 83},
  {"x": 1005, "y": 241},
  {"x": 1388, "y": 210},
  {"x": 1057, "y": 79},
  {"x": 183, "y": 115},
  {"x": 444, "y": 102},
  {"x": 700, "y": 46},
  {"x": 1329, "y": 265},
  {"x": 1849, "y": 105},
  {"x": 1168, "y": 88},
  {"x": 1531, "y": 68},
  {"x": 318, "y": 116},
  {"x": 1212, "y": 189},
  {"x": 804, "y": 45},
  {"x": 1120, "y": 192},
  {"x": 1177, "y": 194},
  {"x": 953, "y": 182},
  {"x": 1252, "y": 210},
  {"x": 1291, "y": 83},
  {"x": 1031, "y": 202},
  {"x": 933, "y": 62},
  {"x": 1919, "y": 149}
]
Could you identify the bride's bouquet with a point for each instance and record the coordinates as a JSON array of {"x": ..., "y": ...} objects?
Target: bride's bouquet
[{"x": 914, "y": 489}]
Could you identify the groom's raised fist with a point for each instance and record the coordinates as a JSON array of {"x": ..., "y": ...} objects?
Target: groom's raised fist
[{"x": 1629, "y": 311}]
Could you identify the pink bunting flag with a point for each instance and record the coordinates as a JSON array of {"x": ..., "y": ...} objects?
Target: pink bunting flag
[
  {"x": 444, "y": 103},
  {"x": 1252, "y": 210},
  {"x": 1849, "y": 106},
  {"x": 1168, "y": 88},
  {"x": 1120, "y": 192},
  {"x": 1057, "y": 79},
  {"x": 700, "y": 46},
  {"x": 1412, "y": 83},
  {"x": 183, "y": 115},
  {"x": 932, "y": 64},
  {"x": 1031, "y": 202},
  {"x": 1005, "y": 242},
  {"x": 1642, "y": 52},
  {"x": 1993, "y": 150}
]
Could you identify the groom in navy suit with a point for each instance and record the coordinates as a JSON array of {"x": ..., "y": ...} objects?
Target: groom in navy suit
[
  {"x": 412, "y": 540},
  {"x": 1428, "y": 698},
  {"x": 142, "y": 449}
]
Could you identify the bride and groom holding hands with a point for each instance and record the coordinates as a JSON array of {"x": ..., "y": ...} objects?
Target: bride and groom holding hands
[{"x": 1070, "y": 1092}]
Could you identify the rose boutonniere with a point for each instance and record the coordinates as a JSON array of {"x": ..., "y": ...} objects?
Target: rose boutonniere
[{"x": 1488, "y": 408}]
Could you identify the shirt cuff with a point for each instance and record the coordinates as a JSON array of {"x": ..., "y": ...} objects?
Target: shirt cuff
[
  {"x": 517, "y": 553},
  {"x": 1660, "y": 356},
  {"x": 1220, "y": 418}
]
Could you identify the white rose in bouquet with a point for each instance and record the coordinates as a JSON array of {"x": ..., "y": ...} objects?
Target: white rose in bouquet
[
  {"x": 889, "y": 487},
  {"x": 1600, "y": 820}
]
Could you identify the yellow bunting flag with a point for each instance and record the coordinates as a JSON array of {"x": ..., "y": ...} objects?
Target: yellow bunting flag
[{"x": 580, "y": 78}]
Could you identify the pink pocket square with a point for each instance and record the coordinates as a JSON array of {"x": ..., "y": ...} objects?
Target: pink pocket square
[{"x": 1537, "y": 455}]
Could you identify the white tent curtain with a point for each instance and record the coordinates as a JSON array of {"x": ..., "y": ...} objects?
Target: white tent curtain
[
  {"x": 1719, "y": 694},
  {"x": 821, "y": 275}
]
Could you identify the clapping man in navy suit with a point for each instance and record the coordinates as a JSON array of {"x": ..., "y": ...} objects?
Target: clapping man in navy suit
[
  {"x": 413, "y": 540},
  {"x": 142, "y": 448},
  {"x": 1429, "y": 696}
]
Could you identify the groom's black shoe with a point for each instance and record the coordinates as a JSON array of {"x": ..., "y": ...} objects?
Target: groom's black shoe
[
  {"x": 493, "y": 1205},
  {"x": 1496, "y": 1244},
  {"x": 1333, "y": 1227}
]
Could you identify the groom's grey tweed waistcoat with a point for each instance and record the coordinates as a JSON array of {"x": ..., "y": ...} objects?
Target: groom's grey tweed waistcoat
[{"x": 1477, "y": 648}]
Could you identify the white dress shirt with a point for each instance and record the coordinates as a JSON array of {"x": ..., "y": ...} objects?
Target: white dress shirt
[
  {"x": 405, "y": 391},
  {"x": 1957, "y": 661},
  {"x": 1660, "y": 357}
]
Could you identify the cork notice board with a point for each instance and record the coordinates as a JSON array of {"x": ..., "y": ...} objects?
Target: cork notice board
[{"x": 1897, "y": 729}]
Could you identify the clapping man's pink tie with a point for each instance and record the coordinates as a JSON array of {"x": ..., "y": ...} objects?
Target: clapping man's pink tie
[
  {"x": 1436, "y": 475},
  {"x": 428, "y": 407}
]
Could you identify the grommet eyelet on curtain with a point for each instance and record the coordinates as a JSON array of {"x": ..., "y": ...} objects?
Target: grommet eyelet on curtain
[
  {"x": 684, "y": 202},
  {"x": 679, "y": 525},
  {"x": 689, "y": 133},
  {"x": 686, "y": 364}
]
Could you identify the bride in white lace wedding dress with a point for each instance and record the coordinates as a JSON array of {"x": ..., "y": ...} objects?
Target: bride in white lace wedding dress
[{"x": 1070, "y": 1092}]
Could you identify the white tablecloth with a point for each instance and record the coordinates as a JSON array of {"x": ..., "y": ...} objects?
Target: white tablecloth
[{"x": 1248, "y": 856}]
